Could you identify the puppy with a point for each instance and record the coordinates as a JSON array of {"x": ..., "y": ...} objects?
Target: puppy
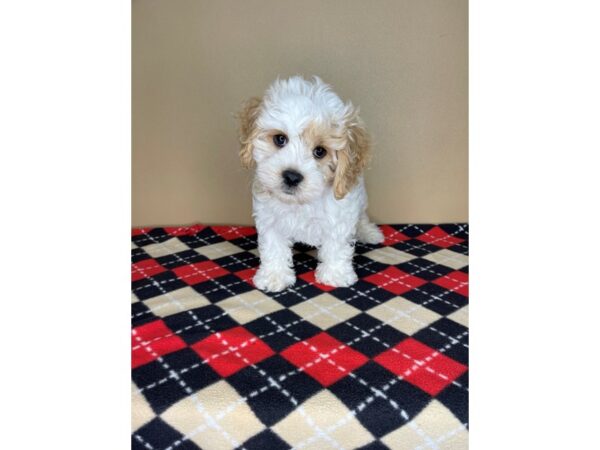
[{"x": 309, "y": 149}]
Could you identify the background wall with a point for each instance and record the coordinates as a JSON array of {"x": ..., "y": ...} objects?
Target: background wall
[{"x": 403, "y": 61}]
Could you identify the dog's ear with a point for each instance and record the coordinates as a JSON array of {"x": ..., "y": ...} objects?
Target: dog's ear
[
  {"x": 247, "y": 117},
  {"x": 354, "y": 157}
]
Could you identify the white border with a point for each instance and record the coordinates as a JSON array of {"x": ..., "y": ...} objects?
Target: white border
[
  {"x": 65, "y": 183},
  {"x": 534, "y": 141}
]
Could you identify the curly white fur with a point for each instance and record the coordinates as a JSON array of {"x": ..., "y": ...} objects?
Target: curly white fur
[{"x": 327, "y": 209}]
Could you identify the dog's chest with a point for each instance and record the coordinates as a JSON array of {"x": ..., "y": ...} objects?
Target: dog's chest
[
  {"x": 306, "y": 223},
  {"x": 313, "y": 223}
]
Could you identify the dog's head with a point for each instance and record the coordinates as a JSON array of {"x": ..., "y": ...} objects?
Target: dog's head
[{"x": 303, "y": 140}]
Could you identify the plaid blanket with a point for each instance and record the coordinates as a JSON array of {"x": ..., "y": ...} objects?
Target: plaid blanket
[{"x": 218, "y": 364}]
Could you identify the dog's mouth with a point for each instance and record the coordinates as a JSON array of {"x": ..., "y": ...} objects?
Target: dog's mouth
[
  {"x": 292, "y": 195},
  {"x": 291, "y": 191}
]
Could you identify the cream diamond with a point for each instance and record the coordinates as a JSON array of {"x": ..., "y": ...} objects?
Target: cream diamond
[
  {"x": 389, "y": 255},
  {"x": 216, "y": 251},
  {"x": 216, "y": 417},
  {"x": 434, "y": 427},
  {"x": 461, "y": 316},
  {"x": 141, "y": 412},
  {"x": 251, "y": 305},
  {"x": 448, "y": 258},
  {"x": 169, "y": 247},
  {"x": 337, "y": 428},
  {"x": 404, "y": 315},
  {"x": 325, "y": 311},
  {"x": 177, "y": 301}
]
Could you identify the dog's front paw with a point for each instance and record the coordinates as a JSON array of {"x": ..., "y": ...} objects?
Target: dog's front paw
[
  {"x": 336, "y": 276},
  {"x": 274, "y": 280}
]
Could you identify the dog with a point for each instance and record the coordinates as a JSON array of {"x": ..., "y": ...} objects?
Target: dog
[{"x": 309, "y": 149}]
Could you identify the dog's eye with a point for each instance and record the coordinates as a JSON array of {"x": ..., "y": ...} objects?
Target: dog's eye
[
  {"x": 319, "y": 152},
  {"x": 280, "y": 140}
]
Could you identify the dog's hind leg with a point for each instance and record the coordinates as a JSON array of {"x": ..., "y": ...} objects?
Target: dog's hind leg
[{"x": 367, "y": 232}]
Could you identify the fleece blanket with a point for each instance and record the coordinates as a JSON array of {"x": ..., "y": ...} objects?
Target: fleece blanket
[{"x": 218, "y": 364}]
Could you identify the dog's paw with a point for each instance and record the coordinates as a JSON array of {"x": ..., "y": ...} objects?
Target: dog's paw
[
  {"x": 370, "y": 234},
  {"x": 274, "y": 280},
  {"x": 336, "y": 276}
]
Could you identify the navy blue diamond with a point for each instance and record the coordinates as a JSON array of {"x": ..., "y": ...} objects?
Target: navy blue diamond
[
  {"x": 436, "y": 298},
  {"x": 448, "y": 337},
  {"x": 158, "y": 284},
  {"x": 375, "y": 445},
  {"x": 198, "y": 323},
  {"x": 456, "y": 398},
  {"x": 266, "y": 440},
  {"x": 201, "y": 239},
  {"x": 140, "y": 314},
  {"x": 154, "y": 236},
  {"x": 424, "y": 269},
  {"x": 279, "y": 329},
  {"x": 304, "y": 263},
  {"x": 362, "y": 295},
  {"x": 158, "y": 434},
  {"x": 180, "y": 259},
  {"x": 367, "y": 335},
  {"x": 415, "y": 230},
  {"x": 139, "y": 254},
  {"x": 270, "y": 404},
  {"x": 298, "y": 293},
  {"x": 247, "y": 243},
  {"x": 221, "y": 288},
  {"x": 239, "y": 261},
  {"x": 365, "y": 266},
  {"x": 380, "y": 415},
  {"x": 163, "y": 384},
  {"x": 415, "y": 247}
]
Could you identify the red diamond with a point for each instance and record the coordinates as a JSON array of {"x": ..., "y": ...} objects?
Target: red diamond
[
  {"x": 247, "y": 275},
  {"x": 322, "y": 358},
  {"x": 138, "y": 231},
  {"x": 392, "y": 236},
  {"x": 184, "y": 231},
  {"x": 309, "y": 277},
  {"x": 151, "y": 340},
  {"x": 229, "y": 233},
  {"x": 420, "y": 365},
  {"x": 395, "y": 280},
  {"x": 439, "y": 237},
  {"x": 230, "y": 351},
  {"x": 145, "y": 269},
  {"x": 455, "y": 281},
  {"x": 197, "y": 272}
]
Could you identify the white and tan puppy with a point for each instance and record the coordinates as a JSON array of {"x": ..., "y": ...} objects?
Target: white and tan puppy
[{"x": 309, "y": 149}]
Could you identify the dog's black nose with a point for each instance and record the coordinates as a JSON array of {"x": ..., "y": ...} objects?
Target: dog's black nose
[{"x": 291, "y": 178}]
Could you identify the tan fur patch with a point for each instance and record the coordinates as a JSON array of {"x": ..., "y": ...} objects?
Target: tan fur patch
[
  {"x": 248, "y": 131},
  {"x": 353, "y": 159},
  {"x": 327, "y": 136},
  {"x": 331, "y": 139}
]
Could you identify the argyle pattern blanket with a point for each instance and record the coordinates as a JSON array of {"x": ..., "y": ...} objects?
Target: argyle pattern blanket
[{"x": 218, "y": 364}]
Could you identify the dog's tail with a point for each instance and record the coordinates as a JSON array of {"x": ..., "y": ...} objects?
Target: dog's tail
[{"x": 367, "y": 232}]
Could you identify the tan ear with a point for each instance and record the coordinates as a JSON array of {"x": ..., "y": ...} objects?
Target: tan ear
[
  {"x": 353, "y": 159},
  {"x": 247, "y": 117}
]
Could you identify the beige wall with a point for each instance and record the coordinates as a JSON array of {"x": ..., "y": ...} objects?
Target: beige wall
[{"x": 403, "y": 61}]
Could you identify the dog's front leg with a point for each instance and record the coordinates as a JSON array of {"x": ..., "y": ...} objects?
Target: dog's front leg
[
  {"x": 275, "y": 272},
  {"x": 335, "y": 267}
]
